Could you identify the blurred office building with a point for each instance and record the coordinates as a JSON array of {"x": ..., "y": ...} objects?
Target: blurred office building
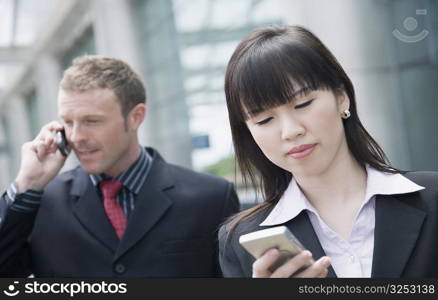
[{"x": 181, "y": 48}]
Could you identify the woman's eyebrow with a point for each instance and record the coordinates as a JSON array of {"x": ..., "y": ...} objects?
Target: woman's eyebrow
[
  {"x": 301, "y": 92},
  {"x": 254, "y": 111}
]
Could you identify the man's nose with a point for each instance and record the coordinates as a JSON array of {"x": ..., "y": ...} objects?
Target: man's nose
[{"x": 75, "y": 134}]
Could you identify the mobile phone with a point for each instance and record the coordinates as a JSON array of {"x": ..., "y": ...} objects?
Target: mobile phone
[
  {"x": 62, "y": 143},
  {"x": 258, "y": 242}
]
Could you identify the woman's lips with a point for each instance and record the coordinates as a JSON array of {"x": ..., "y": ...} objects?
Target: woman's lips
[{"x": 301, "y": 151}]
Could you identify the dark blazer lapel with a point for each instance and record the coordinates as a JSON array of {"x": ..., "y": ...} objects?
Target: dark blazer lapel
[
  {"x": 397, "y": 228},
  {"x": 302, "y": 228},
  {"x": 89, "y": 211},
  {"x": 151, "y": 204}
]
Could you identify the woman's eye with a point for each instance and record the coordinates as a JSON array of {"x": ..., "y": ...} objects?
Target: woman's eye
[
  {"x": 304, "y": 104},
  {"x": 264, "y": 121}
]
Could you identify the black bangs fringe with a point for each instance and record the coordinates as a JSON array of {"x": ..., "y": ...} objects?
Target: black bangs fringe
[{"x": 274, "y": 74}]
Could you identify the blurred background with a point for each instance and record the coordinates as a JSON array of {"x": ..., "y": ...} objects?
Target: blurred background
[{"x": 389, "y": 48}]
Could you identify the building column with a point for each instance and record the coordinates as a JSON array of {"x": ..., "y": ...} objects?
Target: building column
[
  {"x": 5, "y": 175},
  {"x": 168, "y": 118},
  {"x": 17, "y": 127},
  {"x": 152, "y": 50},
  {"x": 47, "y": 76},
  {"x": 118, "y": 38}
]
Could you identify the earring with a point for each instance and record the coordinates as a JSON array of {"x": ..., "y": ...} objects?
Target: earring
[{"x": 345, "y": 114}]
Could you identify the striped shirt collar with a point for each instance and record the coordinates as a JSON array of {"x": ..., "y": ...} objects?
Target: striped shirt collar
[
  {"x": 133, "y": 177},
  {"x": 294, "y": 201}
]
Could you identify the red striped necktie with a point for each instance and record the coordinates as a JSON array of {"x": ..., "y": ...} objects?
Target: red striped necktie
[{"x": 110, "y": 189}]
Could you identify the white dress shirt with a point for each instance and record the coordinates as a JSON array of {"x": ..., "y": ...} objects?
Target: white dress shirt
[{"x": 352, "y": 257}]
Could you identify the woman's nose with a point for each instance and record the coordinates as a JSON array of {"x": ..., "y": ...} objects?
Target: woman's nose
[{"x": 291, "y": 128}]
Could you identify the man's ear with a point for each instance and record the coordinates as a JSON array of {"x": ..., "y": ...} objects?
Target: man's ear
[{"x": 136, "y": 116}]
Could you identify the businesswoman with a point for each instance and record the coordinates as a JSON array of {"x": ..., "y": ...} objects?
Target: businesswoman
[{"x": 297, "y": 135}]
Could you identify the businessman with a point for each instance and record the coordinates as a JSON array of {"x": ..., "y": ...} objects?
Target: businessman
[{"x": 124, "y": 212}]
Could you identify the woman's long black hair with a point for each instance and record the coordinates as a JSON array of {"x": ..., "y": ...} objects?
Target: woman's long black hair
[{"x": 265, "y": 71}]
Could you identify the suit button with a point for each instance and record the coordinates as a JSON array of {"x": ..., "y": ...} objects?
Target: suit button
[{"x": 120, "y": 268}]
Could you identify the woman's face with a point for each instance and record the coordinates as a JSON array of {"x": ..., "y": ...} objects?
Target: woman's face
[{"x": 305, "y": 136}]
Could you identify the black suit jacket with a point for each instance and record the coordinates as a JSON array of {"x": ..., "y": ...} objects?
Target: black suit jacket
[
  {"x": 405, "y": 240},
  {"x": 172, "y": 231}
]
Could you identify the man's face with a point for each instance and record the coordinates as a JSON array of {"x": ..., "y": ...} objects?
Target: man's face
[{"x": 95, "y": 129}]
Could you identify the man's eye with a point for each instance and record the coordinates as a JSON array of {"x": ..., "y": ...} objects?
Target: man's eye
[
  {"x": 304, "y": 104},
  {"x": 264, "y": 121}
]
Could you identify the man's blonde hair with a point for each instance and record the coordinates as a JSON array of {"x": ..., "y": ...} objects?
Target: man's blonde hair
[{"x": 99, "y": 72}]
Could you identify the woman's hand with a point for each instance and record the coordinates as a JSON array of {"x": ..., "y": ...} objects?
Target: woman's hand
[{"x": 319, "y": 269}]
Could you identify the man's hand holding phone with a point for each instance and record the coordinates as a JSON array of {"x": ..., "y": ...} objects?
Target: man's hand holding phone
[
  {"x": 279, "y": 254},
  {"x": 40, "y": 159}
]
